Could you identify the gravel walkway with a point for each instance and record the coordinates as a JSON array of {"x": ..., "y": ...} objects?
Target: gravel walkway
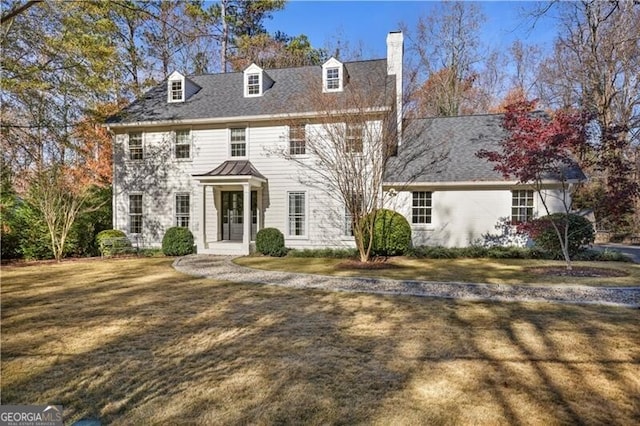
[{"x": 222, "y": 268}]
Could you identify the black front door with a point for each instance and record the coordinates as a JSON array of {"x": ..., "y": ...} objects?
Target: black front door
[{"x": 232, "y": 215}]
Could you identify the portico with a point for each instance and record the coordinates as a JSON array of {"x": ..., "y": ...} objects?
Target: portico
[{"x": 230, "y": 211}]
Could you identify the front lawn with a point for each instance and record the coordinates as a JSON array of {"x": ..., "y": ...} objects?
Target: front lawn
[
  {"x": 491, "y": 271},
  {"x": 131, "y": 341}
]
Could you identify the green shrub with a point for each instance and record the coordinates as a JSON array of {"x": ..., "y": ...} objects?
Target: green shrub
[
  {"x": 347, "y": 253},
  {"x": 391, "y": 234},
  {"x": 497, "y": 252},
  {"x": 602, "y": 256},
  {"x": 543, "y": 234},
  {"x": 112, "y": 241},
  {"x": 270, "y": 242},
  {"x": 177, "y": 241}
]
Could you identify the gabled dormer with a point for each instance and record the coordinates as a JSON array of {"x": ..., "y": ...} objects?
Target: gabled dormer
[
  {"x": 332, "y": 76},
  {"x": 175, "y": 87},
  {"x": 255, "y": 81},
  {"x": 180, "y": 88}
]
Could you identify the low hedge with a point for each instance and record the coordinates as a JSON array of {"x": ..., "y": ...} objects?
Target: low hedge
[{"x": 347, "y": 253}]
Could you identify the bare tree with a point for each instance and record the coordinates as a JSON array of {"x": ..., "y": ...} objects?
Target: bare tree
[
  {"x": 348, "y": 145},
  {"x": 595, "y": 66},
  {"x": 448, "y": 52}
]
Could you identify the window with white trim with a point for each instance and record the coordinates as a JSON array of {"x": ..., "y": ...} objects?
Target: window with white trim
[
  {"x": 521, "y": 205},
  {"x": 183, "y": 209},
  {"x": 135, "y": 146},
  {"x": 182, "y": 147},
  {"x": 297, "y": 140},
  {"x": 238, "y": 142},
  {"x": 353, "y": 138},
  {"x": 332, "y": 78},
  {"x": 297, "y": 214},
  {"x": 135, "y": 213},
  {"x": 253, "y": 84},
  {"x": 421, "y": 207},
  {"x": 176, "y": 91}
]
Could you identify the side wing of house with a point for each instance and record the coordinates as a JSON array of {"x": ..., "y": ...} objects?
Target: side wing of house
[{"x": 453, "y": 198}]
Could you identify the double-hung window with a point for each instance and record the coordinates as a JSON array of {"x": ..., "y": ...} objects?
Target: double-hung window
[
  {"x": 353, "y": 138},
  {"x": 297, "y": 214},
  {"x": 183, "y": 144},
  {"x": 135, "y": 146},
  {"x": 332, "y": 78},
  {"x": 238, "y": 143},
  {"x": 521, "y": 205},
  {"x": 297, "y": 140},
  {"x": 421, "y": 207},
  {"x": 176, "y": 94},
  {"x": 182, "y": 210},
  {"x": 253, "y": 84},
  {"x": 135, "y": 213}
]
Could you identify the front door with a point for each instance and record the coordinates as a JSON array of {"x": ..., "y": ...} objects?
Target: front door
[{"x": 232, "y": 215}]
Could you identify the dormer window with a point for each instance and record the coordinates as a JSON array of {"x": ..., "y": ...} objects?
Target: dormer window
[
  {"x": 333, "y": 79},
  {"x": 332, "y": 76},
  {"x": 176, "y": 91},
  {"x": 176, "y": 87},
  {"x": 253, "y": 84},
  {"x": 256, "y": 81}
]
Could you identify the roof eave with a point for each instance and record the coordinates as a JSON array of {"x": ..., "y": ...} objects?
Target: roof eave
[
  {"x": 243, "y": 118},
  {"x": 475, "y": 184}
]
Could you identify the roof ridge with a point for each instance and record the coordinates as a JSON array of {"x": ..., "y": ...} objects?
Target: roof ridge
[{"x": 284, "y": 68}]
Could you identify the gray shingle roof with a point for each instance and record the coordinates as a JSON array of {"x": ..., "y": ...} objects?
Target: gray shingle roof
[
  {"x": 235, "y": 168},
  {"x": 459, "y": 138},
  {"x": 222, "y": 95}
]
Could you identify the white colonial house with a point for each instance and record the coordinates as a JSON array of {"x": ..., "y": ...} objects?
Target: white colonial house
[{"x": 198, "y": 152}]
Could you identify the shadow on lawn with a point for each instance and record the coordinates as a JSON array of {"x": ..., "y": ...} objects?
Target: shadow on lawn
[{"x": 139, "y": 343}]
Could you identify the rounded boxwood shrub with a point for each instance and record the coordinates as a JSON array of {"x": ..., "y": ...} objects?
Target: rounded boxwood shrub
[
  {"x": 544, "y": 235},
  {"x": 270, "y": 241},
  {"x": 177, "y": 241},
  {"x": 391, "y": 234},
  {"x": 112, "y": 241}
]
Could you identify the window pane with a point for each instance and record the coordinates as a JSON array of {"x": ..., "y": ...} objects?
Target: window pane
[
  {"x": 354, "y": 133},
  {"x": 176, "y": 90},
  {"x": 421, "y": 211},
  {"x": 297, "y": 140},
  {"x": 333, "y": 78},
  {"x": 183, "y": 144},
  {"x": 135, "y": 213},
  {"x": 238, "y": 143},
  {"x": 182, "y": 210},
  {"x": 521, "y": 205},
  {"x": 296, "y": 213},
  {"x": 253, "y": 84},
  {"x": 135, "y": 146}
]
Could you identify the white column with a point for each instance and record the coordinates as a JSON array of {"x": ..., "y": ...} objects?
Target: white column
[
  {"x": 202, "y": 219},
  {"x": 246, "y": 219},
  {"x": 259, "y": 210}
]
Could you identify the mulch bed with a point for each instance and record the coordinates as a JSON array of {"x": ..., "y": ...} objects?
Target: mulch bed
[{"x": 577, "y": 271}]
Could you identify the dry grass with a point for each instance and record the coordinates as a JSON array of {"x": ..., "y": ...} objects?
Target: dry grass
[
  {"x": 491, "y": 271},
  {"x": 134, "y": 342}
]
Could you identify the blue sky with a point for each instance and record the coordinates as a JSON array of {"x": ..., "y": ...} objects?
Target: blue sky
[{"x": 368, "y": 22}]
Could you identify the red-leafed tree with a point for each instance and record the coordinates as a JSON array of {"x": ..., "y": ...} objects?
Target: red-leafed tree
[{"x": 539, "y": 152}]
